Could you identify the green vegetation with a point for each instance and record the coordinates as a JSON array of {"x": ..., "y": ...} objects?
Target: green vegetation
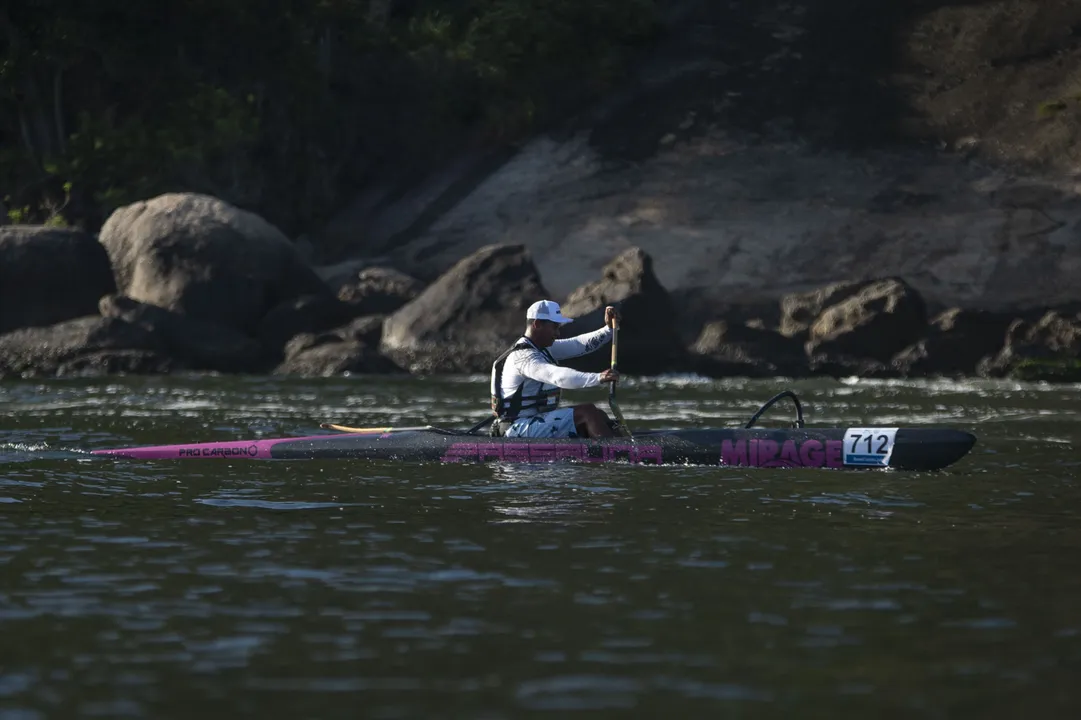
[
  {"x": 1050, "y": 370},
  {"x": 1050, "y": 108},
  {"x": 281, "y": 106}
]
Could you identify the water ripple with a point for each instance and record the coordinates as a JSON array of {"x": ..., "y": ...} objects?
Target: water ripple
[{"x": 404, "y": 590}]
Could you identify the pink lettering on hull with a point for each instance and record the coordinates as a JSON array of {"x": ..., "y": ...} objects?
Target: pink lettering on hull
[{"x": 763, "y": 452}]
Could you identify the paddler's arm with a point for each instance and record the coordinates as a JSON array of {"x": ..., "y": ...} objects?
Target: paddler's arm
[
  {"x": 580, "y": 344},
  {"x": 535, "y": 367}
]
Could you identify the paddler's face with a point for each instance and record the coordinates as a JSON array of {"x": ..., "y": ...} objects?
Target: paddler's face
[{"x": 544, "y": 332}]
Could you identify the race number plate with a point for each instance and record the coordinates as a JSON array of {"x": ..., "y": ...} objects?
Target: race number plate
[{"x": 869, "y": 447}]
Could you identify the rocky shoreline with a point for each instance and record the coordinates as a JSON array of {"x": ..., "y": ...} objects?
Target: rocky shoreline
[{"x": 187, "y": 282}]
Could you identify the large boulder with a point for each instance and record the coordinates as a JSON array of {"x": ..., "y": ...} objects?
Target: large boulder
[
  {"x": 468, "y": 316},
  {"x": 205, "y": 258},
  {"x": 875, "y": 322},
  {"x": 195, "y": 344},
  {"x": 649, "y": 338},
  {"x": 48, "y": 275},
  {"x": 91, "y": 344}
]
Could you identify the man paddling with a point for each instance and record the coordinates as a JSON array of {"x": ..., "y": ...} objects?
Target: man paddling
[{"x": 527, "y": 379}]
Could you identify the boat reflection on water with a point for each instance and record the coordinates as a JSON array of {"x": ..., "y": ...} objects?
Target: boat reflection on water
[{"x": 553, "y": 492}]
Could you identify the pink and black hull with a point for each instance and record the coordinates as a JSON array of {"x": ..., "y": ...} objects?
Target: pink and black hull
[{"x": 912, "y": 448}]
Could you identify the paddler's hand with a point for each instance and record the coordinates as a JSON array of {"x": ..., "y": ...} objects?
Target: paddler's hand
[
  {"x": 611, "y": 315},
  {"x": 609, "y": 376}
]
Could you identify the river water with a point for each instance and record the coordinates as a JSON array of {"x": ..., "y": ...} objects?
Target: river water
[{"x": 352, "y": 589}]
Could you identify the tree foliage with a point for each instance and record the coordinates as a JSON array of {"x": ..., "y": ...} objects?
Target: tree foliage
[{"x": 281, "y": 106}]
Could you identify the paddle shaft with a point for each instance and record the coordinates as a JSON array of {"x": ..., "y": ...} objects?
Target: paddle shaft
[{"x": 612, "y": 385}]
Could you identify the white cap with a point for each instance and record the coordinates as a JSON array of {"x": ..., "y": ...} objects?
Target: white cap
[{"x": 546, "y": 310}]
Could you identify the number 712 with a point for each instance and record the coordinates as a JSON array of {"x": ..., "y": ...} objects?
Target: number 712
[{"x": 882, "y": 439}]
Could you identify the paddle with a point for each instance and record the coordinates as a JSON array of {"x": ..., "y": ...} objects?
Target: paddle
[
  {"x": 625, "y": 430},
  {"x": 346, "y": 428},
  {"x": 383, "y": 430}
]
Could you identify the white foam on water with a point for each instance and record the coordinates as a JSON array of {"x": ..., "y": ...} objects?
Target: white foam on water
[
  {"x": 1046, "y": 438},
  {"x": 25, "y": 447},
  {"x": 979, "y": 386}
]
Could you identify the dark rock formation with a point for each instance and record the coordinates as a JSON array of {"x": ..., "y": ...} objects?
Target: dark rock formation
[
  {"x": 48, "y": 275},
  {"x": 800, "y": 310},
  {"x": 1044, "y": 347},
  {"x": 649, "y": 341},
  {"x": 194, "y": 344},
  {"x": 876, "y": 322},
  {"x": 734, "y": 349},
  {"x": 957, "y": 341},
  {"x": 380, "y": 290},
  {"x": 367, "y": 329},
  {"x": 328, "y": 354},
  {"x": 306, "y": 314},
  {"x": 470, "y": 314},
  {"x": 91, "y": 344}
]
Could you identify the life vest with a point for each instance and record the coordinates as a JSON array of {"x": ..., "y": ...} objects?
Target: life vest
[{"x": 507, "y": 409}]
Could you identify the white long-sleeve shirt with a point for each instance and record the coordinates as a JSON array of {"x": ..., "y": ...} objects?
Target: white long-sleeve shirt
[{"x": 530, "y": 368}]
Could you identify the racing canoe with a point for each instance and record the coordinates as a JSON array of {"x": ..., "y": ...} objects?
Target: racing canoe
[{"x": 799, "y": 447}]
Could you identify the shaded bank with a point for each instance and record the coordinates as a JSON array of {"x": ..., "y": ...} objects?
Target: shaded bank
[
  {"x": 360, "y": 123},
  {"x": 282, "y": 108}
]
